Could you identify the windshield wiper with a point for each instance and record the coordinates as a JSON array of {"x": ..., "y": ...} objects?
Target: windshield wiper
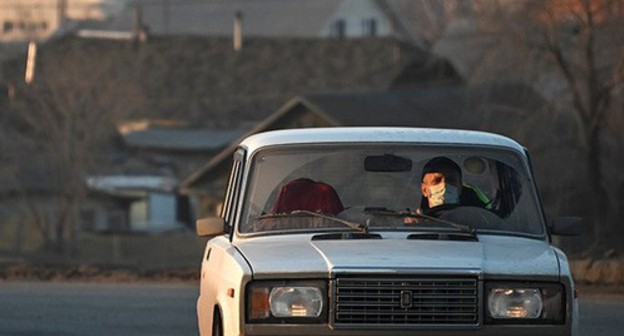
[
  {"x": 386, "y": 212},
  {"x": 306, "y": 213}
]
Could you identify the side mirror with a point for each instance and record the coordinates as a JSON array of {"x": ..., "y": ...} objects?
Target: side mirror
[
  {"x": 567, "y": 226},
  {"x": 210, "y": 226}
]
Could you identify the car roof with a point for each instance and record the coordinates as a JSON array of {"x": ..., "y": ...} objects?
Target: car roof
[{"x": 356, "y": 135}]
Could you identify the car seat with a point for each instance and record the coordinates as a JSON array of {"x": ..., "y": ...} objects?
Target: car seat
[{"x": 306, "y": 194}]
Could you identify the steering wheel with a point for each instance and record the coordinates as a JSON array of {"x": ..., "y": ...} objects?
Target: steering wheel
[
  {"x": 477, "y": 217},
  {"x": 440, "y": 209}
]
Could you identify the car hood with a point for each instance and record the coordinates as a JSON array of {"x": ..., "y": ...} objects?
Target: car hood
[{"x": 297, "y": 255}]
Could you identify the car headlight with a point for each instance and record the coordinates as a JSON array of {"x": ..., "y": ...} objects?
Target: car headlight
[
  {"x": 525, "y": 303},
  {"x": 296, "y": 301}
]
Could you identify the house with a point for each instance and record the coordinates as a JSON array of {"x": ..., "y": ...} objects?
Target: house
[
  {"x": 267, "y": 18},
  {"x": 204, "y": 81},
  {"x": 499, "y": 108},
  {"x": 37, "y": 20},
  {"x": 137, "y": 190},
  {"x": 221, "y": 94},
  {"x": 132, "y": 190}
]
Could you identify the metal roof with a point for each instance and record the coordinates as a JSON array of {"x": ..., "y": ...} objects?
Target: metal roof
[
  {"x": 267, "y": 18},
  {"x": 182, "y": 139},
  {"x": 431, "y": 107},
  {"x": 378, "y": 134},
  {"x": 124, "y": 184}
]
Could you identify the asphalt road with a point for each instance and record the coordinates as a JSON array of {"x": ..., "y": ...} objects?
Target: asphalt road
[{"x": 48, "y": 308}]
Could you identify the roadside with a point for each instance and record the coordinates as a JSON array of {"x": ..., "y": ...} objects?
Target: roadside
[
  {"x": 95, "y": 273},
  {"x": 601, "y": 292},
  {"x": 110, "y": 258},
  {"x": 607, "y": 271}
]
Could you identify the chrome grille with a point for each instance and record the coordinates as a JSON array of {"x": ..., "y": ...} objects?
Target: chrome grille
[{"x": 406, "y": 301}]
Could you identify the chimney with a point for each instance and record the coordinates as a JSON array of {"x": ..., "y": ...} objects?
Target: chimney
[{"x": 238, "y": 31}]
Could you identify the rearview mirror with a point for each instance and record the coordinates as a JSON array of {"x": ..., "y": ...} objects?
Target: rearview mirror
[
  {"x": 567, "y": 226},
  {"x": 387, "y": 163},
  {"x": 210, "y": 226}
]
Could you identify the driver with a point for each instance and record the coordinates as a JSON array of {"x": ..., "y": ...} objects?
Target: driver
[{"x": 442, "y": 186}]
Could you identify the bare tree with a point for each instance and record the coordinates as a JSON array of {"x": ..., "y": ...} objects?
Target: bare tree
[
  {"x": 429, "y": 18},
  {"x": 577, "y": 46},
  {"x": 68, "y": 116}
]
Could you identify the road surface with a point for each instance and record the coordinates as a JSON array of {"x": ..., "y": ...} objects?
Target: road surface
[{"x": 49, "y": 308}]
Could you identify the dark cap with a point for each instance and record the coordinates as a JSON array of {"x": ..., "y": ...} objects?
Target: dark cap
[{"x": 442, "y": 165}]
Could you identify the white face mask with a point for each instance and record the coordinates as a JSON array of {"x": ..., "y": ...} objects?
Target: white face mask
[{"x": 442, "y": 194}]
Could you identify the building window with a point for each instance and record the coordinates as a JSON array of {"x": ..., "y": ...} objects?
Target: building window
[
  {"x": 339, "y": 28},
  {"x": 7, "y": 27},
  {"x": 369, "y": 27}
]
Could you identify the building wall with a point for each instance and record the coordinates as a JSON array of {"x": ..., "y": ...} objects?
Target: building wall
[
  {"x": 358, "y": 18},
  {"x": 24, "y": 20},
  {"x": 270, "y": 18}
]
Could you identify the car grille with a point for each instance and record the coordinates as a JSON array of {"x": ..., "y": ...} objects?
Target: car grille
[{"x": 406, "y": 301}]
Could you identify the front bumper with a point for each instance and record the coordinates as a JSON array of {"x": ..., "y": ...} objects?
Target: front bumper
[{"x": 493, "y": 330}]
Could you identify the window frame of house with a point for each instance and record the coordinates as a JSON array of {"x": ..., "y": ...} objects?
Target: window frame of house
[
  {"x": 8, "y": 27},
  {"x": 338, "y": 28},
  {"x": 370, "y": 27}
]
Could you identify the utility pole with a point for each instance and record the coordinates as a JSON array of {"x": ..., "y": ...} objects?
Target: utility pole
[
  {"x": 31, "y": 61},
  {"x": 140, "y": 29},
  {"x": 238, "y": 31},
  {"x": 167, "y": 16},
  {"x": 61, "y": 11},
  {"x": 138, "y": 19}
]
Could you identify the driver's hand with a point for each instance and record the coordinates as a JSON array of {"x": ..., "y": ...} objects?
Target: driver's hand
[{"x": 413, "y": 220}]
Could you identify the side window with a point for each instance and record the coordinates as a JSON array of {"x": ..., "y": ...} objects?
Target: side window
[
  {"x": 369, "y": 28},
  {"x": 233, "y": 193}
]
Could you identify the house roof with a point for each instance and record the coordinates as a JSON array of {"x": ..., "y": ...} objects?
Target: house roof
[
  {"x": 267, "y": 18},
  {"x": 392, "y": 108},
  {"x": 131, "y": 184},
  {"x": 182, "y": 139},
  {"x": 219, "y": 87}
]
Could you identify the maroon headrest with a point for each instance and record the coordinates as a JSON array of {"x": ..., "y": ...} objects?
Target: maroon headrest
[{"x": 305, "y": 194}]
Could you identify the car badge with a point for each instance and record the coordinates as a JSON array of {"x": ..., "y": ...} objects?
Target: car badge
[{"x": 407, "y": 299}]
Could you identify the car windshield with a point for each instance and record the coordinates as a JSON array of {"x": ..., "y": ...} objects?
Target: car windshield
[{"x": 379, "y": 187}]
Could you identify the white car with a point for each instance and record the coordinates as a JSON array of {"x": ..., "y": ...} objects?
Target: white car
[{"x": 327, "y": 232}]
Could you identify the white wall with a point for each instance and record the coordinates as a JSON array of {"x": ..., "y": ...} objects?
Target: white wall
[
  {"x": 162, "y": 211},
  {"x": 354, "y": 13},
  {"x": 156, "y": 212},
  {"x": 24, "y": 20}
]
